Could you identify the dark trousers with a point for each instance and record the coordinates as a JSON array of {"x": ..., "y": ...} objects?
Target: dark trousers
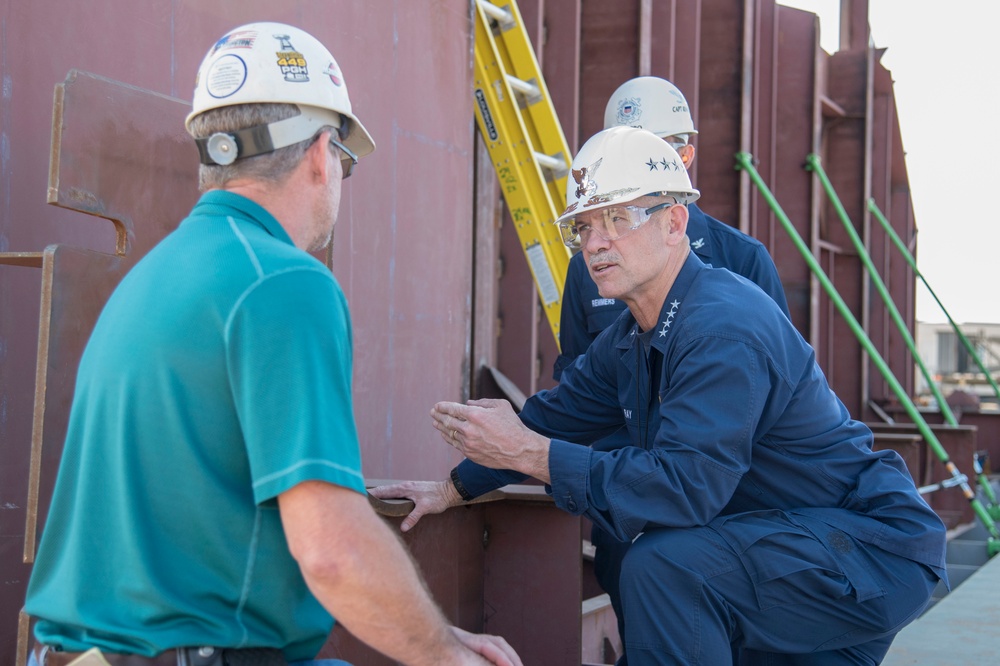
[{"x": 759, "y": 588}]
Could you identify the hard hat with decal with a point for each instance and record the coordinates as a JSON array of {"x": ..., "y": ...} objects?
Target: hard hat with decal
[
  {"x": 621, "y": 164},
  {"x": 275, "y": 63},
  {"x": 650, "y": 103}
]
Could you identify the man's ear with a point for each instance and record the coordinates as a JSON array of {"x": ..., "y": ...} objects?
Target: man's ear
[
  {"x": 677, "y": 223},
  {"x": 317, "y": 158},
  {"x": 686, "y": 153}
]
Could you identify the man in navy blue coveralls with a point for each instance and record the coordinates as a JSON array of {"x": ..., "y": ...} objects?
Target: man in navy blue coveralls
[
  {"x": 764, "y": 528},
  {"x": 656, "y": 105}
]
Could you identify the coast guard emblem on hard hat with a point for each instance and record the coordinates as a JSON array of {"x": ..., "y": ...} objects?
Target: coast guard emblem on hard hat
[
  {"x": 629, "y": 110},
  {"x": 585, "y": 179},
  {"x": 292, "y": 63}
]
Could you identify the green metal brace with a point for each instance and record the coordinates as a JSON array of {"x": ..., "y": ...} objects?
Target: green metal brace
[
  {"x": 814, "y": 164},
  {"x": 744, "y": 161},
  {"x": 984, "y": 482}
]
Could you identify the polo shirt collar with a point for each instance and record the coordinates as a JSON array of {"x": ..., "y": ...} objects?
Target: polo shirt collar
[{"x": 220, "y": 202}]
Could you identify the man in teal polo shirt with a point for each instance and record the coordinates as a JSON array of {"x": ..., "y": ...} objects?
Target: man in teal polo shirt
[{"x": 210, "y": 507}]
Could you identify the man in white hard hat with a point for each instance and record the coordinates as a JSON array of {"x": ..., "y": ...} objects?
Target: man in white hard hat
[
  {"x": 763, "y": 527},
  {"x": 656, "y": 105},
  {"x": 210, "y": 508}
]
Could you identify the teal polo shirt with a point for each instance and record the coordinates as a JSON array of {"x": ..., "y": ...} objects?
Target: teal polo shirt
[{"x": 217, "y": 377}]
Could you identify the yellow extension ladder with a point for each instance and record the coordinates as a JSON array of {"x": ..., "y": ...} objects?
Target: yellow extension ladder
[{"x": 525, "y": 142}]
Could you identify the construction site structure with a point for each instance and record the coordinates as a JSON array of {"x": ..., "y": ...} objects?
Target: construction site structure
[{"x": 454, "y": 287}]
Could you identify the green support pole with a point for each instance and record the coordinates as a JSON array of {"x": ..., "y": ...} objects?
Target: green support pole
[
  {"x": 984, "y": 482},
  {"x": 813, "y": 164},
  {"x": 913, "y": 264},
  {"x": 744, "y": 161}
]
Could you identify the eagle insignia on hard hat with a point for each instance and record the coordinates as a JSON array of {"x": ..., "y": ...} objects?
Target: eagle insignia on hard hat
[
  {"x": 586, "y": 185},
  {"x": 629, "y": 110}
]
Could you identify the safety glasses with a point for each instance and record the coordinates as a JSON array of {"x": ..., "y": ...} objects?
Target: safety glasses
[
  {"x": 347, "y": 158},
  {"x": 611, "y": 224}
]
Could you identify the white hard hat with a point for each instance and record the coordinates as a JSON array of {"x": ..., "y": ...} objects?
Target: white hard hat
[
  {"x": 650, "y": 103},
  {"x": 621, "y": 164},
  {"x": 278, "y": 63}
]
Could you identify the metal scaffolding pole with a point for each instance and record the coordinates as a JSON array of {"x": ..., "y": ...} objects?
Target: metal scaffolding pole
[{"x": 744, "y": 161}]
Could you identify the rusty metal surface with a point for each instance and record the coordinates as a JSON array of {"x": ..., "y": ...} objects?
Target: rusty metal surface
[
  {"x": 533, "y": 593},
  {"x": 890, "y": 190},
  {"x": 796, "y": 115},
  {"x": 507, "y": 564},
  {"x": 448, "y": 550},
  {"x": 75, "y": 284},
  {"x": 95, "y": 170}
]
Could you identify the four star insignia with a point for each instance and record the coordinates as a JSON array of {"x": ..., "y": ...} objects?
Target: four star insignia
[{"x": 670, "y": 317}]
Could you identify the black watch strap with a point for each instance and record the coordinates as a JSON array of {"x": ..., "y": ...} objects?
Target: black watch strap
[{"x": 456, "y": 481}]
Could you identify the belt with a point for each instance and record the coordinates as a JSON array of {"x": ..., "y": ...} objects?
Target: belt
[{"x": 189, "y": 656}]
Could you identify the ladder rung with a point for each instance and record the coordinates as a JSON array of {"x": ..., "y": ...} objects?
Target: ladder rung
[
  {"x": 524, "y": 87},
  {"x": 549, "y": 162},
  {"x": 502, "y": 16}
]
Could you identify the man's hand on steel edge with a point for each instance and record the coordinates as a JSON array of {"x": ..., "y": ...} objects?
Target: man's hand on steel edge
[
  {"x": 427, "y": 496},
  {"x": 494, "y": 649}
]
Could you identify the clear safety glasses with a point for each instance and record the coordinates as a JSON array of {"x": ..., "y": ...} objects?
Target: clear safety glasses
[
  {"x": 347, "y": 158},
  {"x": 610, "y": 224}
]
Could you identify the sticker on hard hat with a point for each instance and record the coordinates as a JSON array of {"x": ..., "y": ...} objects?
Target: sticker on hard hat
[
  {"x": 243, "y": 39},
  {"x": 334, "y": 73},
  {"x": 291, "y": 63},
  {"x": 225, "y": 76},
  {"x": 629, "y": 110}
]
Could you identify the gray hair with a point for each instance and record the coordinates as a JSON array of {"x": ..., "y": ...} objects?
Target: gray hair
[{"x": 271, "y": 167}]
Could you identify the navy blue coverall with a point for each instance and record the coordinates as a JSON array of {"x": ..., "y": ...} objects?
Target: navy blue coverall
[
  {"x": 762, "y": 522},
  {"x": 585, "y": 314}
]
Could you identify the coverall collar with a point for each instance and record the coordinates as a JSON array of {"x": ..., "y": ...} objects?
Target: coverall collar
[{"x": 669, "y": 313}]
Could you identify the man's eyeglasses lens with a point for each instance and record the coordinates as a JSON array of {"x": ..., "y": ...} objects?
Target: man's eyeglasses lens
[{"x": 609, "y": 224}]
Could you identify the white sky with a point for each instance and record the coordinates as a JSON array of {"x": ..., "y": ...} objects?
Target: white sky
[{"x": 943, "y": 57}]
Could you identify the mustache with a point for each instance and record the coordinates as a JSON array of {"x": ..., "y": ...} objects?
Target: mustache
[{"x": 610, "y": 257}]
